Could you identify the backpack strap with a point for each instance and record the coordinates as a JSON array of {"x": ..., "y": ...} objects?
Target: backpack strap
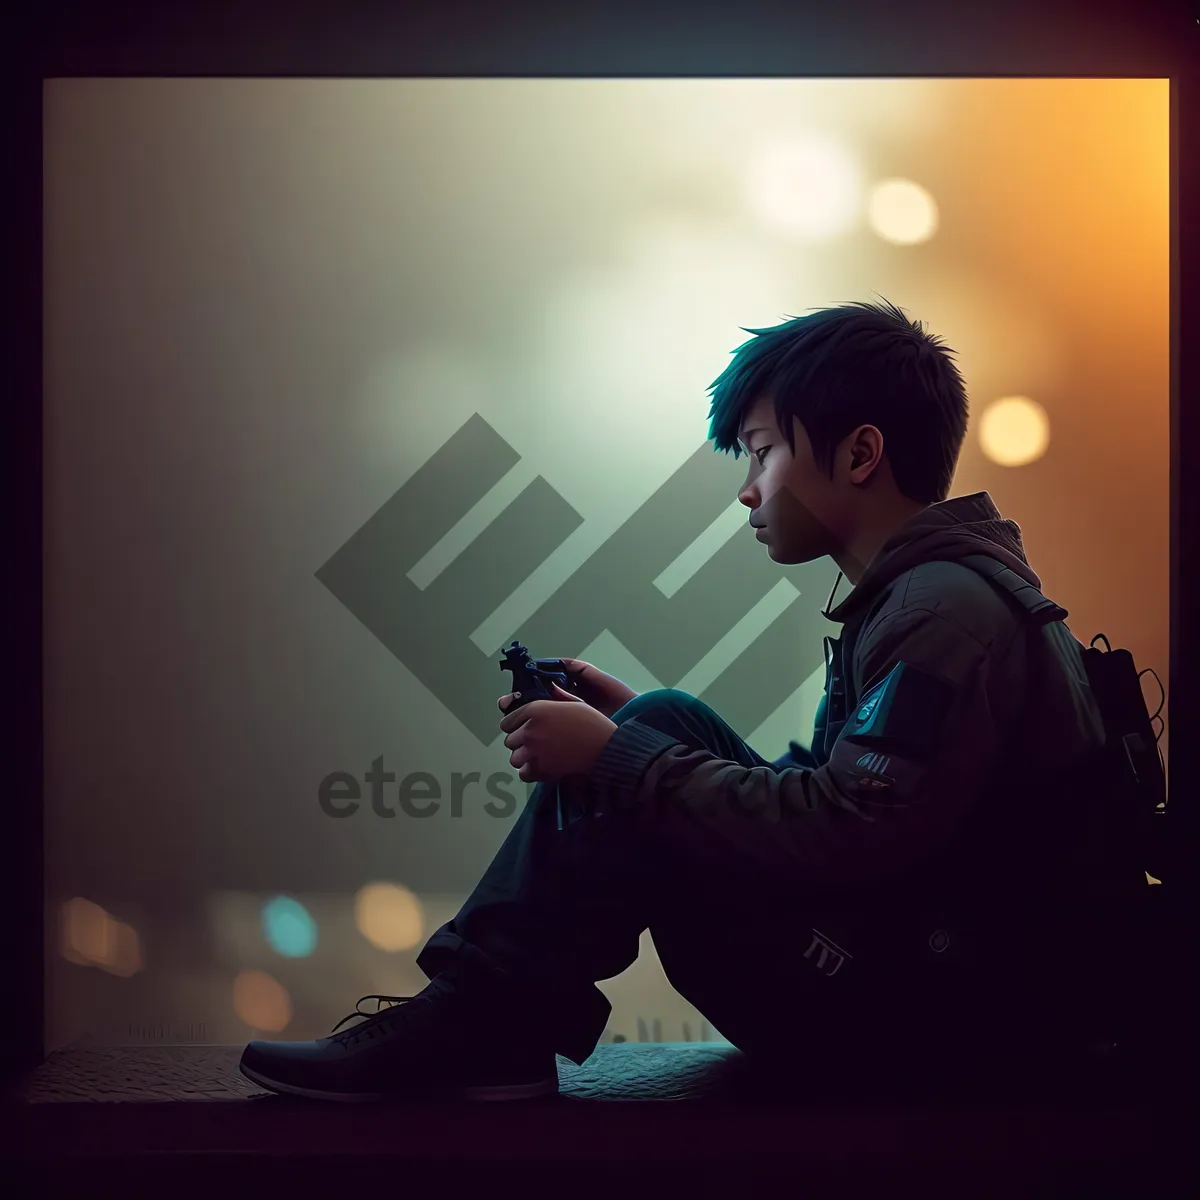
[{"x": 1041, "y": 609}]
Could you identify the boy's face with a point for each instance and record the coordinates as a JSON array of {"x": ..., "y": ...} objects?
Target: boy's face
[{"x": 803, "y": 513}]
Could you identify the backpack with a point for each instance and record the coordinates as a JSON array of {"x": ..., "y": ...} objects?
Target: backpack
[
  {"x": 1129, "y": 815},
  {"x": 1100, "y": 829}
]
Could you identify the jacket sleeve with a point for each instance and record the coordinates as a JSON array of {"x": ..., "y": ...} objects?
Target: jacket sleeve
[{"x": 908, "y": 765}]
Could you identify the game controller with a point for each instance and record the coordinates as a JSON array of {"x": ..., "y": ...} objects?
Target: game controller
[{"x": 532, "y": 677}]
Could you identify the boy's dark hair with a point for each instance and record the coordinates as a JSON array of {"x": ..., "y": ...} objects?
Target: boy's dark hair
[{"x": 839, "y": 368}]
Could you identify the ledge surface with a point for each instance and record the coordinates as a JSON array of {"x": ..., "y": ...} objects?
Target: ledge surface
[{"x": 645, "y": 1102}]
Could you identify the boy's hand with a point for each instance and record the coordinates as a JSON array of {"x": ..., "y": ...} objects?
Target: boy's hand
[
  {"x": 605, "y": 693},
  {"x": 551, "y": 739}
]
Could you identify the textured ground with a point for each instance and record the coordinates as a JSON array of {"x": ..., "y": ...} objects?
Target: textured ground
[{"x": 184, "y": 1119}]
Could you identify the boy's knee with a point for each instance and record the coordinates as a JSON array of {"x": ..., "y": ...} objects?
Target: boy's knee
[{"x": 655, "y": 700}]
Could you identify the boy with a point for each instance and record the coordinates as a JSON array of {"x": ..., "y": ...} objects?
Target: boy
[{"x": 845, "y": 903}]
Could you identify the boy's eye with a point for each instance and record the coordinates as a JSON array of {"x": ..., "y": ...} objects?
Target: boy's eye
[{"x": 760, "y": 452}]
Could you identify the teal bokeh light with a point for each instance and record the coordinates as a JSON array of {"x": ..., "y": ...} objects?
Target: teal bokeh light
[{"x": 288, "y": 928}]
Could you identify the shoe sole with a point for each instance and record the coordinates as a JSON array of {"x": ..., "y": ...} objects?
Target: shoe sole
[{"x": 505, "y": 1091}]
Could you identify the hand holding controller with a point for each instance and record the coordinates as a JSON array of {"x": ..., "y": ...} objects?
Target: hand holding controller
[
  {"x": 566, "y": 740},
  {"x": 532, "y": 677}
]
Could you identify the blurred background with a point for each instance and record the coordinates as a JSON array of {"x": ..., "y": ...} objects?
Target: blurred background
[{"x": 277, "y": 308}]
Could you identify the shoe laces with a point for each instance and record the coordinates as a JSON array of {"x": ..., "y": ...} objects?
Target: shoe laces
[{"x": 373, "y": 1023}]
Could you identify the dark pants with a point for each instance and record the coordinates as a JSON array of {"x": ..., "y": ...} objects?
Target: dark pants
[{"x": 560, "y": 908}]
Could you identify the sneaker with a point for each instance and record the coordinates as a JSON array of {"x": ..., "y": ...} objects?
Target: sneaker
[{"x": 432, "y": 1045}]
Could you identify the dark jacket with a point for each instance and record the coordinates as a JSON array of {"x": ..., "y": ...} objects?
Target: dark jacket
[{"x": 933, "y": 786}]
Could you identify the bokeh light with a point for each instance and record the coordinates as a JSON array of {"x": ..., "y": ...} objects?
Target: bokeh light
[
  {"x": 389, "y": 916},
  {"x": 262, "y": 1002},
  {"x": 901, "y": 211},
  {"x": 1014, "y": 431},
  {"x": 288, "y": 928},
  {"x": 806, "y": 187},
  {"x": 92, "y": 937}
]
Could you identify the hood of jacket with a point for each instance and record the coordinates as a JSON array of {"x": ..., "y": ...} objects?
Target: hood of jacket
[{"x": 947, "y": 531}]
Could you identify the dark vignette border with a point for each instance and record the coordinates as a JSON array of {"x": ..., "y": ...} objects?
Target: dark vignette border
[{"x": 523, "y": 38}]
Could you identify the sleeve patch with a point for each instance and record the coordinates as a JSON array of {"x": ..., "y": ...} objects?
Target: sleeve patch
[
  {"x": 906, "y": 712},
  {"x": 897, "y": 726}
]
